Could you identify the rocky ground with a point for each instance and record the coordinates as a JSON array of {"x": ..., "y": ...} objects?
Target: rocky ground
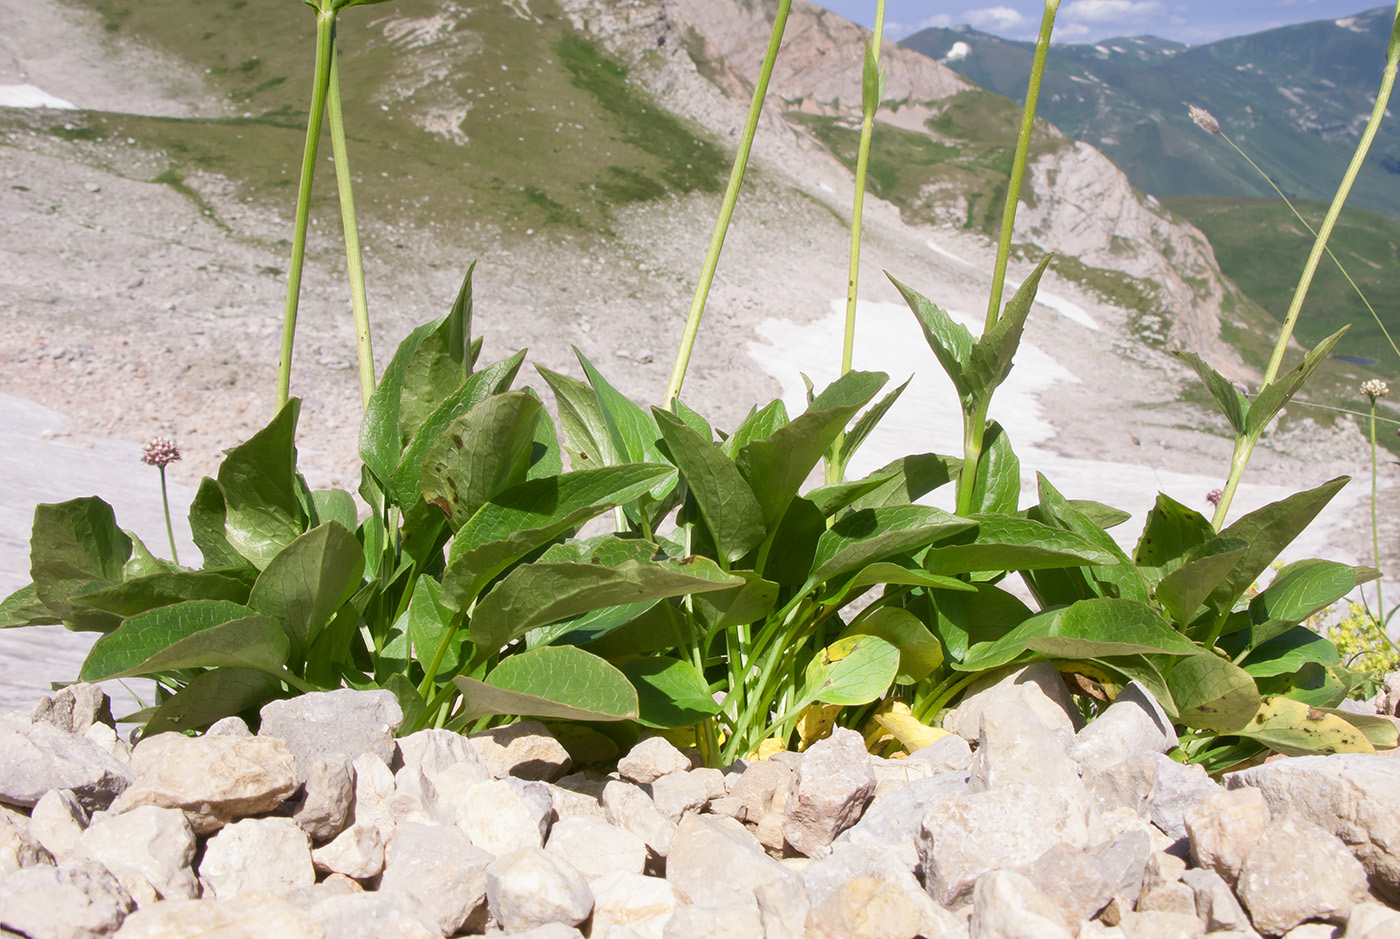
[{"x": 1021, "y": 822}]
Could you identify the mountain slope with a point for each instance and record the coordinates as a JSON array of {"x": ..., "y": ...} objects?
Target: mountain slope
[{"x": 1294, "y": 98}]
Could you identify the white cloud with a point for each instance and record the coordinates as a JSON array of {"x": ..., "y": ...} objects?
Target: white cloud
[
  {"x": 1111, "y": 12},
  {"x": 994, "y": 18},
  {"x": 902, "y": 30}
]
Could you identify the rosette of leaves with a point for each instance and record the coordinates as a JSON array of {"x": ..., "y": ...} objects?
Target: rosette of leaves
[
  {"x": 297, "y": 594},
  {"x": 1239, "y": 672}
]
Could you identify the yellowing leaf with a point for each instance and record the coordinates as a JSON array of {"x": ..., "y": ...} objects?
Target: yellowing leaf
[
  {"x": 1297, "y": 729},
  {"x": 766, "y": 749},
  {"x": 814, "y": 722},
  {"x": 896, "y": 718}
]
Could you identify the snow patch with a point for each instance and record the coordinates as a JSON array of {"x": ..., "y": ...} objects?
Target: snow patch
[
  {"x": 30, "y": 96},
  {"x": 947, "y": 254},
  {"x": 960, "y": 51}
]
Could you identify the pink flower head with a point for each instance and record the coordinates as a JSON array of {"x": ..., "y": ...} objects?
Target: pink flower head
[
  {"x": 1214, "y": 496},
  {"x": 161, "y": 452}
]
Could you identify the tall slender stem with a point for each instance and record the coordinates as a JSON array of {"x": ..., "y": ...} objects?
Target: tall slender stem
[
  {"x": 351, "y": 227},
  {"x": 1244, "y": 445},
  {"x": 1018, "y": 165},
  {"x": 325, "y": 35},
  {"x": 175, "y": 555},
  {"x": 870, "y": 103},
  {"x": 1375, "y": 528},
  {"x": 726, "y": 212}
]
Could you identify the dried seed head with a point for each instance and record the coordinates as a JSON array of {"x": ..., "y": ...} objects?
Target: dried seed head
[
  {"x": 161, "y": 452},
  {"x": 1214, "y": 496},
  {"x": 1375, "y": 388},
  {"x": 1204, "y": 120}
]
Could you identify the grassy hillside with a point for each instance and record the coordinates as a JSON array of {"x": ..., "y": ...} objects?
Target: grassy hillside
[
  {"x": 535, "y": 127},
  {"x": 1262, "y": 247}
]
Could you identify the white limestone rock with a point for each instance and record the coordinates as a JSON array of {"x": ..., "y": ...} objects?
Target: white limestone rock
[
  {"x": 149, "y": 849},
  {"x": 595, "y": 848},
  {"x": 525, "y": 750},
  {"x": 530, "y": 887},
  {"x": 257, "y": 855}
]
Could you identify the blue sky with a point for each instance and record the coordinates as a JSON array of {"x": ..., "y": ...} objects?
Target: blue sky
[{"x": 1191, "y": 21}]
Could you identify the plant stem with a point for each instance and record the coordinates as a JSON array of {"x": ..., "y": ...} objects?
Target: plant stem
[
  {"x": 175, "y": 555},
  {"x": 353, "y": 262},
  {"x": 1018, "y": 165},
  {"x": 726, "y": 212},
  {"x": 1244, "y": 445},
  {"x": 835, "y": 468},
  {"x": 320, "y": 85},
  {"x": 1375, "y": 528}
]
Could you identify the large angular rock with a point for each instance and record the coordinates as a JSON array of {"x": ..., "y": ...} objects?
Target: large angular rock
[
  {"x": 631, "y": 901},
  {"x": 595, "y": 848},
  {"x": 829, "y": 792},
  {"x": 148, "y": 849},
  {"x": 244, "y": 918},
  {"x": 1081, "y": 883},
  {"x": 893, "y": 822},
  {"x": 947, "y": 754},
  {"x": 41, "y": 757},
  {"x": 373, "y": 916},
  {"x": 970, "y": 834},
  {"x": 1016, "y": 746},
  {"x": 530, "y": 887},
  {"x": 715, "y": 862},
  {"x": 525, "y": 750},
  {"x": 752, "y": 794},
  {"x": 499, "y": 815},
  {"x": 1175, "y": 788},
  {"x": 865, "y": 890},
  {"x": 1223, "y": 827},
  {"x": 80, "y": 900},
  {"x": 19, "y": 845},
  {"x": 703, "y": 922},
  {"x": 630, "y": 809},
  {"x": 432, "y": 751},
  {"x": 1216, "y": 905},
  {"x": 75, "y": 709},
  {"x": 328, "y": 794},
  {"x": 358, "y": 851},
  {"x": 651, "y": 759},
  {"x": 1038, "y": 688},
  {"x": 257, "y": 855},
  {"x": 678, "y": 793},
  {"x": 334, "y": 726},
  {"x": 1006, "y": 905},
  {"x": 440, "y": 868},
  {"x": 214, "y": 780},
  {"x": 56, "y": 822},
  {"x": 1295, "y": 872},
  {"x": 1126, "y": 785},
  {"x": 1133, "y": 723},
  {"x": 1355, "y": 796}
]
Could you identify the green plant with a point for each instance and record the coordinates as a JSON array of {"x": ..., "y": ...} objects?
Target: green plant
[{"x": 160, "y": 452}]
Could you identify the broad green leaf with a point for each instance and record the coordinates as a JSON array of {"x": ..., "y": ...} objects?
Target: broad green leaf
[
  {"x": 1300, "y": 590},
  {"x": 996, "y": 487},
  {"x": 262, "y": 514},
  {"x": 1120, "y": 579},
  {"x": 586, "y": 627},
  {"x": 411, "y": 703},
  {"x": 207, "y": 516},
  {"x": 331, "y": 656},
  {"x": 546, "y": 458},
  {"x": 840, "y": 589},
  {"x": 1002, "y": 543},
  {"x": 406, "y": 482},
  {"x": 539, "y": 594},
  {"x": 1268, "y": 531},
  {"x": 336, "y": 505},
  {"x": 587, "y": 439},
  {"x": 860, "y": 538},
  {"x": 1104, "y": 516},
  {"x": 670, "y": 692},
  {"x": 480, "y": 454},
  {"x": 1316, "y": 685},
  {"x": 306, "y": 583},
  {"x": 156, "y": 590},
  {"x": 1140, "y": 668},
  {"x": 962, "y": 619},
  {"x": 1232, "y": 404},
  {"x": 634, "y": 433},
  {"x": 1182, "y": 592},
  {"x": 142, "y": 562},
  {"x": 776, "y": 467},
  {"x": 439, "y": 364},
  {"x": 652, "y": 631},
  {"x": 1212, "y": 694},
  {"x": 867, "y": 423},
  {"x": 1084, "y": 630},
  {"x": 198, "y": 633},
  {"x": 797, "y": 536},
  {"x": 951, "y": 342},
  {"x": 1286, "y": 653},
  {"x": 737, "y": 606},
  {"x": 908, "y": 479},
  {"x": 853, "y": 670},
  {"x": 834, "y": 497},
  {"x": 1169, "y": 535},
  {"x": 212, "y": 696},
  {"x": 727, "y": 504},
  {"x": 76, "y": 547},
  {"x": 694, "y": 420},
  {"x": 760, "y": 424},
  {"x": 381, "y": 435},
  {"x": 428, "y": 622},
  {"x": 1380, "y": 731},
  {"x": 1273, "y": 396},
  {"x": 24, "y": 608},
  {"x": 553, "y": 682},
  {"x": 532, "y": 514},
  {"x": 920, "y": 653},
  {"x": 989, "y": 362},
  {"x": 1295, "y": 729}
]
